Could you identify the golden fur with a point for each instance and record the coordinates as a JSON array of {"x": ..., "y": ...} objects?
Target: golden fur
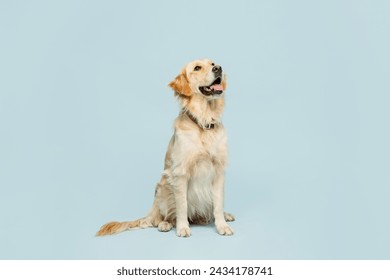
[{"x": 191, "y": 189}]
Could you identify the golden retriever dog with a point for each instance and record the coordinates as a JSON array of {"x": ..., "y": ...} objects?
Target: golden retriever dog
[{"x": 191, "y": 190}]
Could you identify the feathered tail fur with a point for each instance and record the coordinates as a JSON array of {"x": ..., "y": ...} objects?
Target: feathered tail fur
[{"x": 118, "y": 227}]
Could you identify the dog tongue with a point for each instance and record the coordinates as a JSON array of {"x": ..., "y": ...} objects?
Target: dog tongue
[{"x": 217, "y": 87}]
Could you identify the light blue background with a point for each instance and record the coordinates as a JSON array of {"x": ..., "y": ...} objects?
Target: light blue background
[{"x": 86, "y": 116}]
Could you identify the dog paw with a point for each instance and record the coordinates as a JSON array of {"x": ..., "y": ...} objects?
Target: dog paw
[
  {"x": 228, "y": 217},
  {"x": 183, "y": 232},
  {"x": 164, "y": 226},
  {"x": 224, "y": 230}
]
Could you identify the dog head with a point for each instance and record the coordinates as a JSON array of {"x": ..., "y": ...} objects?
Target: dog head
[{"x": 202, "y": 77}]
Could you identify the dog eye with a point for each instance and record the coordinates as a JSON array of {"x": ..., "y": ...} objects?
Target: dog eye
[
  {"x": 197, "y": 68},
  {"x": 212, "y": 64}
]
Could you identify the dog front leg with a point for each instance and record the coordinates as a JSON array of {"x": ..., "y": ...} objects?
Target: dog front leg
[
  {"x": 180, "y": 193},
  {"x": 218, "y": 196}
]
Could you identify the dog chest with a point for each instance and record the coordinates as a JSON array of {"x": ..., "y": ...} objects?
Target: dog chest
[
  {"x": 214, "y": 144},
  {"x": 192, "y": 152}
]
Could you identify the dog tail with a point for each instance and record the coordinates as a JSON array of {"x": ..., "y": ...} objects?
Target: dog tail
[{"x": 118, "y": 227}]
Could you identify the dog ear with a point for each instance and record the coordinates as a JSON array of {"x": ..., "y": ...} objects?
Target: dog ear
[{"x": 181, "y": 85}]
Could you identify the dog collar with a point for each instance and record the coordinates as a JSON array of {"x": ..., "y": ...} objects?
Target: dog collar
[{"x": 207, "y": 126}]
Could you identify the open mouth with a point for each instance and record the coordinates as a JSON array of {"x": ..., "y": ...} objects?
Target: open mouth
[{"x": 215, "y": 88}]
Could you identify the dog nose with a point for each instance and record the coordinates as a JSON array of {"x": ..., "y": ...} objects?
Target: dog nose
[{"x": 217, "y": 69}]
